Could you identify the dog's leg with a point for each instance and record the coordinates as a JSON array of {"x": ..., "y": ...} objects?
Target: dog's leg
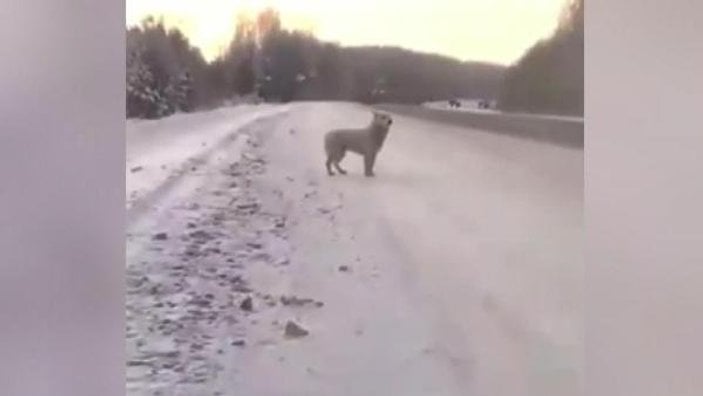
[
  {"x": 339, "y": 169},
  {"x": 328, "y": 165},
  {"x": 369, "y": 160},
  {"x": 336, "y": 162}
]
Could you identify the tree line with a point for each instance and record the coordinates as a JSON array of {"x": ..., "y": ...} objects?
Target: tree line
[
  {"x": 549, "y": 77},
  {"x": 264, "y": 61}
]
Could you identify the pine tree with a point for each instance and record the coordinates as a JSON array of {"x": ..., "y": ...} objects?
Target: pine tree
[
  {"x": 142, "y": 98},
  {"x": 178, "y": 93}
]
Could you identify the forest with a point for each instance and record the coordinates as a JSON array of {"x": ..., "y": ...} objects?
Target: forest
[{"x": 266, "y": 62}]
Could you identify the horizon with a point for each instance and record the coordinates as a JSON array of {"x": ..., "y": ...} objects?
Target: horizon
[{"x": 468, "y": 31}]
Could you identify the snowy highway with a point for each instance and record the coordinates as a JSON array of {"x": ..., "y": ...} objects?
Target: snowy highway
[{"x": 457, "y": 270}]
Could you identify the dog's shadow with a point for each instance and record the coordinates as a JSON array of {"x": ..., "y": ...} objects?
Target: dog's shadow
[{"x": 381, "y": 178}]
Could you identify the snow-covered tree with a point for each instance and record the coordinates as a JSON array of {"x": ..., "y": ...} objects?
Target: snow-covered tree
[
  {"x": 179, "y": 92},
  {"x": 143, "y": 100}
]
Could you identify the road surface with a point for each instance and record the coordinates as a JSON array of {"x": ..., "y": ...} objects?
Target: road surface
[{"x": 457, "y": 270}]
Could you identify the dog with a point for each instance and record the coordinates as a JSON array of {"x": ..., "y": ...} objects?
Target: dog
[{"x": 366, "y": 142}]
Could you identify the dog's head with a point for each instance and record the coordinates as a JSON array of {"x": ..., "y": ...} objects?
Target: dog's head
[{"x": 382, "y": 119}]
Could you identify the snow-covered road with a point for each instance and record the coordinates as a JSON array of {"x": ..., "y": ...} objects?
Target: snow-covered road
[{"x": 456, "y": 271}]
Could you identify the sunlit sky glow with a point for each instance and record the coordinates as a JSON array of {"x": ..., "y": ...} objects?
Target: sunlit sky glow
[{"x": 497, "y": 31}]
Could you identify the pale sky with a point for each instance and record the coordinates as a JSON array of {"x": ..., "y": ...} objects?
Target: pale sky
[{"x": 497, "y": 31}]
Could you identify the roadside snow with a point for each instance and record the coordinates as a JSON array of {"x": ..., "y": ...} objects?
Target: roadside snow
[
  {"x": 189, "y": 298},
  {"x": 161, "y": 150}
]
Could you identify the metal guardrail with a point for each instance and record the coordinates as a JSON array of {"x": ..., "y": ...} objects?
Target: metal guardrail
[{"x": 567, "y": 132}]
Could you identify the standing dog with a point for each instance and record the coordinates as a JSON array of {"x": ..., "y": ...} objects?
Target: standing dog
[{"x": 366, "y": 142}]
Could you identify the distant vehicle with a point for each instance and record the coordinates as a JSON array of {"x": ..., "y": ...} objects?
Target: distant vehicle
[
  {"x": 484, "y": 104},
  {"x": 453, "y": 103}
]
